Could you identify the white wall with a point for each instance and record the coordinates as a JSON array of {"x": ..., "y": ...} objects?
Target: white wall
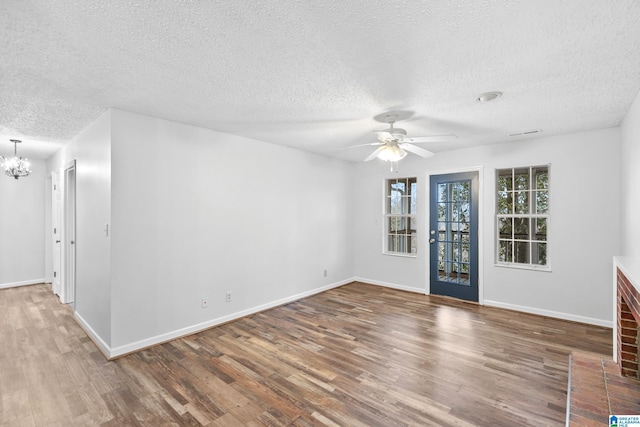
[
  {"x": 584, "y": 224},
  {"x": 197, "y": 213},
  {"x": 91, "y": 150},
  {"x": 22, "y": 226},
  {"x": 630, "y": 181}
]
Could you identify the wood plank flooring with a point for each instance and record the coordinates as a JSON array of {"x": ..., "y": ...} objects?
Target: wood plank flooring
[{"x": 358, "y": 355}]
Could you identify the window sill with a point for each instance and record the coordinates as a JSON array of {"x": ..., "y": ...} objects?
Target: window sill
[
  {"x": 546, "y": 269},
  {"x": 400, "y": 255}
]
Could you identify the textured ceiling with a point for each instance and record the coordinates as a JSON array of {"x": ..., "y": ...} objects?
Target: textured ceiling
[{"x": 316, "y": 74}]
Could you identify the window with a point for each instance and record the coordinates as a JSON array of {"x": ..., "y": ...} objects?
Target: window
[
  {"x": 522, "y": 214},
  {"x": 400, "y": 216}
]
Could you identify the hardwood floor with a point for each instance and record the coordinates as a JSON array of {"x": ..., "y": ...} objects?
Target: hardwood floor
[{"x": 358, "y": 355}]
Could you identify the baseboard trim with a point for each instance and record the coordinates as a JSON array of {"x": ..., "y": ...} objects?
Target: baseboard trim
[
  {"x": 23, "y": 283},
  {"x": 119, "y": 351},
  {"x": 550, "y": 313},
  {"x": 122, "y": 350},
  {"x": 97, "y": 340},
  {"x": 390, "y": 285}
]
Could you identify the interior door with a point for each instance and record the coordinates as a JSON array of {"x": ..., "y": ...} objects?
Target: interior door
[
  {"x": 69, "y": 235},
  {"x": 56, "y": 207},
  {"x": 453, "y": 235}
]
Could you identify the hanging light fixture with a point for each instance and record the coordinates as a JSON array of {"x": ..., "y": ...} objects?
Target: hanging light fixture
[
  {"x": 391, "y": 152},
  {"x": 16, "y": 166}
]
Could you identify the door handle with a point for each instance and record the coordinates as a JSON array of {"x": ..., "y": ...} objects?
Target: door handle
[
  {"x": 73, "y": 242},
  {"x": 432, "y": 241},
  {"x": 57, "y": 241}
]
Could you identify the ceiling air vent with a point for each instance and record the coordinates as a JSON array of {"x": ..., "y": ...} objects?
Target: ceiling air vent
[{"x": 525, "y": 133}]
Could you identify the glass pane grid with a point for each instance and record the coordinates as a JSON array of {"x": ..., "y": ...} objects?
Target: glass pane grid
[
  {"x": 522, "y": 215},
  {"x": 400, "y": 214},
  {"x": 454, "y": 203}
]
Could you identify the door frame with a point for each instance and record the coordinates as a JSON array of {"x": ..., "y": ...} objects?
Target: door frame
[
  {"x": 56, "y": 232},
  {"x": 479, "y": 170},
  {"x": 68, "y": 228}
]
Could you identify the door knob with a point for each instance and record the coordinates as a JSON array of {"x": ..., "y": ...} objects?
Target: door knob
[{"x": 432, "y": 241}]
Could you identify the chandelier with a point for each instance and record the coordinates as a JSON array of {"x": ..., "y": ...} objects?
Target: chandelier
[{"x": 16, "y": 166}]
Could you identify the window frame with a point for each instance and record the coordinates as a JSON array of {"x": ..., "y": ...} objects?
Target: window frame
[
  {"x": 531, "y": 215},
  {"x": 410, "y": 232}
]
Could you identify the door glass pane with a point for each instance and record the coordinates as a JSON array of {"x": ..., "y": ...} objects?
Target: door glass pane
[
  {"x": 442, "y": 192},
  {"x": 465, "y": 213},
  {"x": 454, "y": 216},
  {"x": 464, "y": 254},
  {"x": 442, "y": 211}
]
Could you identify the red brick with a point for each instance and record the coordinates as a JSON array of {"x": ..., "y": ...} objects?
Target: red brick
[
  {"x": 627, "y": 332},
  {"x": 629, "y": 365},
  {"x": 626, "y": 315}
]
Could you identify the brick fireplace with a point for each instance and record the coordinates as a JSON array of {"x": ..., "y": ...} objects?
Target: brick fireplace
[{"x": 627, "y": 318}]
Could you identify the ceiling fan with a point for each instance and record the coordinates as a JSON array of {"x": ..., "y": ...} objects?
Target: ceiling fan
[{"x": 393, "y": 143}]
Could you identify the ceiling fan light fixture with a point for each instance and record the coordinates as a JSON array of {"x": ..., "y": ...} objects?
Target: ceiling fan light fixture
[
  {"x": 488, "y": 96},
  {"x": 392, "y": 153}
]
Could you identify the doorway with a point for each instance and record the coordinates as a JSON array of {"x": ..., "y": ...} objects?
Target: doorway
[
  {"x": 453, "y": 235},
  {"x": 69, "y": 235},
  {"x": 56, "y": 210}
]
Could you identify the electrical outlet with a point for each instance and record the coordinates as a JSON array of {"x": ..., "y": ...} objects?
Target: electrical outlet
[
  {"x": 205, "y": 302},
  {"x": 325, "y": 273},
  {"x": 228, "y": 296}
]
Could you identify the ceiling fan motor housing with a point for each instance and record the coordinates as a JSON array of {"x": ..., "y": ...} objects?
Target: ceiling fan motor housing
[{"x": 398, "y": 133}]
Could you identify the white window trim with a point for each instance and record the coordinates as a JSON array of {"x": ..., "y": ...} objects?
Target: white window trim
[
  {"x": 386, "y": 216},
  {"x": 519, "y": 266}
]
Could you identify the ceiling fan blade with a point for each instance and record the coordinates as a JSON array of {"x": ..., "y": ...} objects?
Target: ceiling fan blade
[
  {"x": 432, "y": 138},
  {"x": 416, "y": 150},
  {"x": 374, "y": 154},
  {"x": 360, "y": 145}
]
